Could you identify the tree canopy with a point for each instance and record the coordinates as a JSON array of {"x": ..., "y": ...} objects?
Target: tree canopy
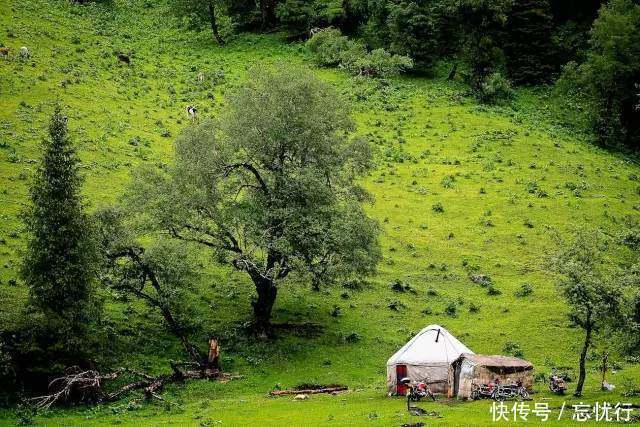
[{"x": 270, "y": 186}]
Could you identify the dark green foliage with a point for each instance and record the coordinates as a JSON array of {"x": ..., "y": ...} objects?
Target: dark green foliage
[
  {"x": 329, "y": 46},
  {"x": 200, "y": 14},
  {"x": 300, "y": 16},
  {"x": 494, "y": 89},
  {"x": 7, "y": 375},
  {"x": 332, "y": 48},
  {"x": 527, "y": 43},
  {"x": 451, "y": 309},
  {"x": 513, "y": 349},
  {"x": 482, "y": 23},
  {"x": 608, "y": 77},
  {"x": 525, "y": 290},
  {"x": 160, "y": 273},
  {"x": 413, "y": 31},
  {"x": 59, "y": 263},
  {"x": 245, "y": 13}
]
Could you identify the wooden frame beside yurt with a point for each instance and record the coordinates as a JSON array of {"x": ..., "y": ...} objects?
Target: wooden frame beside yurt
[{"x": 480, "y": 369}]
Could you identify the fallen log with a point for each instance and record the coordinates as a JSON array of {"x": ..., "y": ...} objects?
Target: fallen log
[
  {"x": 309, "y": 391},
  {"x": 87, "y": 386}
]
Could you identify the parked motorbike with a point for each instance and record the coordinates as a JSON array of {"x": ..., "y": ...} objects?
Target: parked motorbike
[
  {"x": 497, "y": 391},
  {"x": 510, "y": 391},
  {"x": 418, "y": 390}
]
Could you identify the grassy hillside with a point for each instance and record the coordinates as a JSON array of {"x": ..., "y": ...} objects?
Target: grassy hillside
[{"x": 460, "y": 189}]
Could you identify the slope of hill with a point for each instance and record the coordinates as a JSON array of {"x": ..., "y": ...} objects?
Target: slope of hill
[{"x": 461, "y": 190}]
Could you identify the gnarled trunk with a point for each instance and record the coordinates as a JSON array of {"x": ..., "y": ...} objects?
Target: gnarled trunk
[{"x": 262, "y": 306}]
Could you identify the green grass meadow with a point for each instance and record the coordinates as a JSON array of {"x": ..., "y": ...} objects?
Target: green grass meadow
[{"x": 459, "y": 189}]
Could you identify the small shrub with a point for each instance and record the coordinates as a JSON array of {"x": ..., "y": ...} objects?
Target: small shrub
[
  {"x": 352, "y": 338},
  {"x": 495, "y": 89},
  {"x": 513, "y": 349},
  {"x": 437, "y": 207},
  {"x": 524, "y": 290},
  {"x": 451, "y": 309},
  {"x": 481, "y": 279},
  {"x": 396, "y": 305},
  {"x": 448, "y": 181},
  {"x": 631, "y": 389},
  {"x": 377, "y": 63},
  {"x": 328, "y": 46},
  {"x": 492, "y": 291},
  {"x": 473, "y": 308},
  {"x": 398, "y": 286}
]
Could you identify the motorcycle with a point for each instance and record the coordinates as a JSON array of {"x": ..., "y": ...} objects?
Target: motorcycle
[
  {"x": 510, "y": 391},
  {"x": 497, "y": 391},
  {"x": 557, "y": 384},
  {"x": 418, "y": 390}
]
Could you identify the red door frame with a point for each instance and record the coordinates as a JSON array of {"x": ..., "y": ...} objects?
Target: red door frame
[{"x": 401, "y": 372}]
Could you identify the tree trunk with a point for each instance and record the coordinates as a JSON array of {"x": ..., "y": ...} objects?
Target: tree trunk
[
  {"x": 214, "y": 23},
  {"x": 267, "y": 13},
  {"x": 603, "y": 369},
  {"x": 583, "y": 357},
  {"x": 262, "y": 306},
  {"x": 192, "y": 352}
]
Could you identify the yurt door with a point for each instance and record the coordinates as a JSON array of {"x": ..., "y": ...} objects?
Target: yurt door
[{"x": 401, "y": 372}]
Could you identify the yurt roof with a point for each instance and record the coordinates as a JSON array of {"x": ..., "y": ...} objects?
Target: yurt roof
[
  {"x": 498, "y": 362},
  {"x": 433, "y": 346}
]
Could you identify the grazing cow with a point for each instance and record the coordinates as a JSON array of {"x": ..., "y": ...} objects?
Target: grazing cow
[
  {"x": 24, "y": 53},
  {"x": 123, "y": 58},
  {"x": 201, "y": 77},
  {"x": 4, "y": 51},
  {"x": 191, "y": 112}
]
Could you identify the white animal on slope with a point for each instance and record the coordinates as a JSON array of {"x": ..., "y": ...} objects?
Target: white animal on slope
[
  {"x": 24, "y": 52},
  {"x": 191, "y": 112}
]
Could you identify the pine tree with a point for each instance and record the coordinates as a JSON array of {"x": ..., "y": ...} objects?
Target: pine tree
[
  {"x": 58, "y": 266},
  {"x": 528, "y": 45}
]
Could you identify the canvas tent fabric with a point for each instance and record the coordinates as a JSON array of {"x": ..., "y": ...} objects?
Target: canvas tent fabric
[
  {"x": 427, "y": 356},
  {"x": 480, "y": 369}
]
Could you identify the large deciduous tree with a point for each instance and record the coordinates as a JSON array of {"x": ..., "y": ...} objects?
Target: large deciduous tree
[
  {"x": 59, "y": 262},
  {"x": 593, "y": 297},
  {"x": 270, "y": 187}
]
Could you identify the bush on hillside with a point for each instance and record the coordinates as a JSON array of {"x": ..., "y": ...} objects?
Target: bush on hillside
[
  {"x": 495, "y": 89},
  {"x": 328, "y": 46},
  {"x": 331, "y": 48},
  {"x": 377, "y": 63}
]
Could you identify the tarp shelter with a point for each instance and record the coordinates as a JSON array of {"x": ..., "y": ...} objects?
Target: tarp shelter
[
  {"x": 479, "y": 369},
  {"x": 427, "y": 356}
]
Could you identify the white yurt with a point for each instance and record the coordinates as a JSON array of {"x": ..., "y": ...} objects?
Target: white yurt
[{"x": 427, "y": 356}]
